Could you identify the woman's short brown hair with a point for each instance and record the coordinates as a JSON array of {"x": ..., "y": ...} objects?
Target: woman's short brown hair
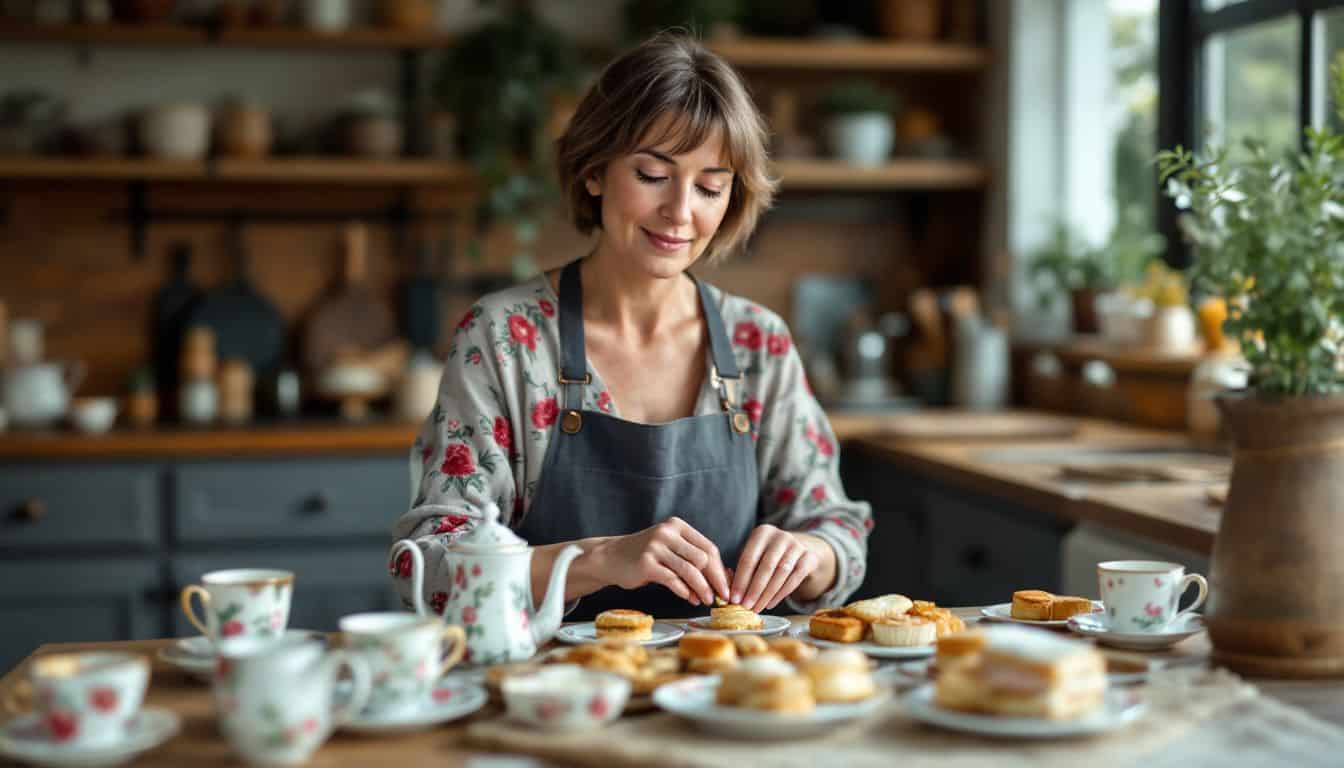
[{"x": 669, "y": 74}]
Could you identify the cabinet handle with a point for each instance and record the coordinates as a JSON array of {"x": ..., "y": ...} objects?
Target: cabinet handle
[
  {"x": 975, "y": 558},
  {"x": 31, "y": 511},
  {"x": 316, "y": 504}
]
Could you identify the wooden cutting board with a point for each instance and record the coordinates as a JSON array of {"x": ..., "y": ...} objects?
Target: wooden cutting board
[
  {"x": 353, "y": 321},
  {"x": 967, "y": 425}
]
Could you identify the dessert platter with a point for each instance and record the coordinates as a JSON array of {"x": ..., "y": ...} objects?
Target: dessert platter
[
  {"x": 623, "y": 625},
  {"x": 886, "y": 627},
  {"x": 1016, "y": 682},
  {"x": 1036, "y": 607},
  {"x": 731, "y": 619}
]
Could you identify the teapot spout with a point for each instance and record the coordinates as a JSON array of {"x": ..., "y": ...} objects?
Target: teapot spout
[{"x": 547, "y": 618}]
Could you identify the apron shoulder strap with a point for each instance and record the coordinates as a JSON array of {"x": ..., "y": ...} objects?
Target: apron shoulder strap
[
  {"x": 573, "y": 356},
  {"x": 719, "y": 346}
]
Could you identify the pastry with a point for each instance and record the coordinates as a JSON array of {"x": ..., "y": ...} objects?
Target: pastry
[
  {"x": 620, "y": 623},
  {"x": 704, "y": 653},
  {"x": 738, "y": 681},
  {"x": 734, "y": 617},
  {"x": 905, "y": 631},
  {"x": 1063, "y": 607},
  {"x": 1032, "y": 605},
  {"x": 750, "y": 645},
  {"x": 786, "y": 694},
  {"x": 945, "y": 622},
  {"x": 1021, "y": 672},
  {"x": 958, "y": 647},
  {"x": 884, "y": 607},
  {"x": 836, "y": 627},
  {"x": 839, "y": 675},
  {"x": 606, "y": 658},
  {"x": 792, "y": 649}
]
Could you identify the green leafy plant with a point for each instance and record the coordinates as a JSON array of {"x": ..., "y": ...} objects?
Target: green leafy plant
[
  {"x": 500, "y": 80},
  {"x": 1068, "y": 263},
  {"x": 857, "y": 96},
  {"x": 1269, "y": 235}
]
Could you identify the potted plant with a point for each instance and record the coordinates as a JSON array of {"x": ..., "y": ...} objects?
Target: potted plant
[
  {"x": 1269, "y": 234},
  {"x": 504, "y": 81},
  {"x": 858, "y": 126}
]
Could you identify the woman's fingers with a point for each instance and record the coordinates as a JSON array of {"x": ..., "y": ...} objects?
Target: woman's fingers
[
  {"x": 689, "y": 574},
  {"x": 698, "y": 550},
  {"x": 765, "y": 571},
  {"x": 806, "y": 565},
  {"x": 664, "y": 575},
  {"x": 746, "y": 563},
  {"x": 782, "y": 572}
]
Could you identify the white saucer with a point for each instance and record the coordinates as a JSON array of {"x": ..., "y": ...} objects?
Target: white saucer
[
  {"x": 873, "y": 650},
  {"x": 196, "y": 655},
  {"x": 202, "y": 647},
  {"x": 693, "y": 699},
  {"x": 1121, "y": 707},
  {"x": 1094, "y": 625},
  {"x": 1004, "y": 612},
  {"x": 449, "y": 700},
  {"x": 25, "y": 739},
  {"x": 578, "y": 634},
  {"x": 770, "y": 625}
]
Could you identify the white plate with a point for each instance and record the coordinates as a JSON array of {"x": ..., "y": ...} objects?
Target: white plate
[
  {"x": 449, "y": 700},
  {"x": 1094, "y": 625},
  {"x": 1121, "y": 707},
  {"x": 578, "y": 634},
  {"x": 25, "y": 739},
  {"x": 693, "y": 699},
  {"x": 917, "y": 672},
  {"x": 199, "y": 667},
  {"x": 871, "y": 649},
  {"x": 1004, "y": 612},
  {"x": 770, "y": 625}
]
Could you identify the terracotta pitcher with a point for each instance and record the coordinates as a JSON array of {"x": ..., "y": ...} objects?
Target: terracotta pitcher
[{"x": 1276, "y": 603}]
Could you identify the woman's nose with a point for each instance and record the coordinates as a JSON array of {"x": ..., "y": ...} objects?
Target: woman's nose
[{"x": 677, "y": 209}]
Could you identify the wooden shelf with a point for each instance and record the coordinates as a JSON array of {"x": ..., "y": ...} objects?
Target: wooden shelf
[
  {"x": 801, "y": 54},
  {"x": 261, "y": 439},
  {"x": 148, "y": 35},
  {"x": 899, "y": 174},
  {"x": 283, "y": 170}
]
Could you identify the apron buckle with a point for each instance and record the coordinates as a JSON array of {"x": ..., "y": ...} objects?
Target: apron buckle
[
  {"x": 571, "y": 422},
  {"x": 741, "y": 422}
]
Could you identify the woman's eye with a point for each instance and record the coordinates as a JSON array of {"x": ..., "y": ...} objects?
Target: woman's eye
[
  {"x": 647, "y": 179},
  {"x": 710, "y": 193}
]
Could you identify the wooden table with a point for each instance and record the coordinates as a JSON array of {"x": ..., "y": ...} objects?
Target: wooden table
[{"x": 199, "y": 744}]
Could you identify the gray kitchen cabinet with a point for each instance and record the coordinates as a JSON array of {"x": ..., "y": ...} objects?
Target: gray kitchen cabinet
[
  {"x": 57, "y": 506},
  {"x": 896, "y": 557},
  {"x": 328, "y": 584},
  {"x": 287, "y": 499},
  {"x": 70, "y": 598}
]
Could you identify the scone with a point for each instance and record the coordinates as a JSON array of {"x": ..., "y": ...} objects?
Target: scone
[
  {"x": 905, "y": 631},
  {"x": 1021, "y": 672},
  {"x": 607, "y": 659},
  {"x": 839, "y": 675},
  {"x": 750, "y": 645},
  {"x": 1032, "y": 605},
  {"x": 958, "y": 647},
  {"x": 790, "y": 694},
  {"x": 738, "y": 681},
  {"x": 884, "y": 607},
  {"x": 792, "y": 649},
  {"x": 623, "y": 624},
  {"x": 704, "y": 653},
  {"x": 835, "y": 626},
  {"x": 1065, "y": 606},
  {"x": 734, "y": 617}
]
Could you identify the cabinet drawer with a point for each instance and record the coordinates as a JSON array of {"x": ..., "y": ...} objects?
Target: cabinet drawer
[
  {"x": 61, "y": 505},
  {"x": 981, "y": 551},
  {"x": 327, "y": 585},
  {"x": 296, "y": 499}
]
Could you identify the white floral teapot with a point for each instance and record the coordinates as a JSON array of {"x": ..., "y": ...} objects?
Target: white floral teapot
[{"x": 488, "y": 573}]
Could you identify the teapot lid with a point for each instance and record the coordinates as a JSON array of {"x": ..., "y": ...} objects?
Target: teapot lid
[{"x": 489, "y": 535}]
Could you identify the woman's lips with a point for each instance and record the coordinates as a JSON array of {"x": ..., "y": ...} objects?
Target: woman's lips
[{"x": 664, "y": 243}]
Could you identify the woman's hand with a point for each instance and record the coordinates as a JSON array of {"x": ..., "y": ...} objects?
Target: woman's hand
[
  {"x": 671, "y": 553},
  {"x": 772, "y": 565}
]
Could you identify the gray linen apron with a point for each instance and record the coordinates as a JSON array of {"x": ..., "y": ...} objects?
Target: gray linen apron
[{"x": 605, "y": 476}]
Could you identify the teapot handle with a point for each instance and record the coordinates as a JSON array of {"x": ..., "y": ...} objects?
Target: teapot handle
[
  {"x": 74, "y": 374},
  {"x": 417, "y": 573}
]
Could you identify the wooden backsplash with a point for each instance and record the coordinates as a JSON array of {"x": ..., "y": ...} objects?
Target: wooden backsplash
[{"x": 65, "y": 258}]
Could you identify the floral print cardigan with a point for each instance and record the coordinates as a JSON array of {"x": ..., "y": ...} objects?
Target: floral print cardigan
[{"x": 499, "y": 401}]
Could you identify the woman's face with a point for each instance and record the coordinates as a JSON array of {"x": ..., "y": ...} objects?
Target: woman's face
[{"x": 659, "y": 210}]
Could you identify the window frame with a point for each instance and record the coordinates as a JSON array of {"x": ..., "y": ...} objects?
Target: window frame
[{"x": 1183, "y": 29}]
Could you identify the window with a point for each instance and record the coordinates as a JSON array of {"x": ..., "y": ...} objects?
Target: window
[{"x": 1133, "y": 37}]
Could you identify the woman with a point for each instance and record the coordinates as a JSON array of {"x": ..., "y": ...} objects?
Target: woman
[{"x": 607, "y": 404}]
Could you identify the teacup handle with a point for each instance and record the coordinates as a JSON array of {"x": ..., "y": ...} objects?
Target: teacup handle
[
  {"x": 12, "y": 699},
  {"x": 459, "y": 637},
  {"x": 1192, "y": 578},
  {"x": 198, "y": 590},
  {"x": 363, "y": 681},
  {"x": 417, "y": 573}
]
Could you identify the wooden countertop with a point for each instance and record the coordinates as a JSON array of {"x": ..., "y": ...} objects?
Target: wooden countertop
[
  {"x": 315, "y": 438},
  {"x": 199, "y": 742},
  {"x": 1177, "y": 513}
]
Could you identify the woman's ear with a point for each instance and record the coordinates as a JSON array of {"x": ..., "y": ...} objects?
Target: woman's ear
[{"x": 593, "y": 185}]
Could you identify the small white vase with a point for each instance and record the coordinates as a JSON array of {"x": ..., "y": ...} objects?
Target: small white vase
[
  {"x": 862, "y": 138},
  {"x": 1173, "y": 329}
]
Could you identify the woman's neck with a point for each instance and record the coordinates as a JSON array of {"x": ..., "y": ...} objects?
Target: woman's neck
[{"x": 632, "y": 302}]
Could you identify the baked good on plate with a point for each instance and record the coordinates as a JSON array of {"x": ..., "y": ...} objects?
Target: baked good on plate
[
  {"x": 705, "y": 653},
  {"x": 750, "y": 645},
  {"x": 839, "y": 675},
  {"x": 734, "y": 617},
  {"x": 1032, "y": 605},
  {"x": 904, "y": 631},
  {"x": 792, "y": 649},
  {"x": 836, "y": 626},
  {"x": 772, "y": 685},
  {"x": 944, "y": 621},
  {"x": 1063, "y": 606},
  {"x": 1020, "y": 672},
  {"x": 624, "y": 624},
  {"x": 884, "y": 607}
]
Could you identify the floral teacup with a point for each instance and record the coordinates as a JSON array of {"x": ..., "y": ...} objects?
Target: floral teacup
[
  {"x": 242, "y": 602},
  {"x": 565, "y": 697},
  {"x": 87, "y": 699},
  {"x": 1144, "y": 595},
  {"x": 405, "y": 654},
  {"x": 274, "y": 698}
]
